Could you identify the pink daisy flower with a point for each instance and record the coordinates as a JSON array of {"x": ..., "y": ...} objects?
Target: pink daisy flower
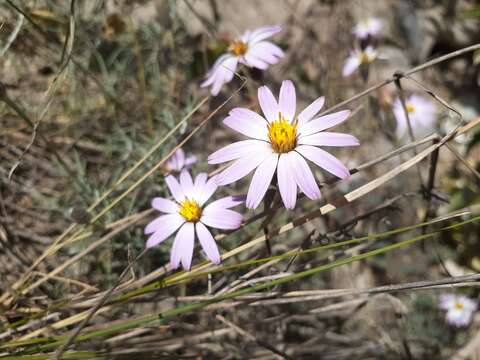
[
  {"x": 280, "y": 143},
  {"x": 460, "y": 309},
  {"x": 367, "y": 27},
  {"x": 358, "y": 57},
  {"x": 250, "y": 49},
  {"x": 179, "y": 160},
  {"x": 189, "y": 215},
  {"x": 421, "y": 112}
]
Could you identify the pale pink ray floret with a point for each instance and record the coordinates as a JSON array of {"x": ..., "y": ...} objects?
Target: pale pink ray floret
[
  {"x": 250, "y": 49},
  {"x": 280, "y": 143},
  {"x": 367, "y": 27},
  {"x": 460, "y": 309},
  {"x": 188, "y": 214},
  {"x": 179, "y": 160},
  {"x": 357, "y": 58},
  {"x": 422, "y": 114}
]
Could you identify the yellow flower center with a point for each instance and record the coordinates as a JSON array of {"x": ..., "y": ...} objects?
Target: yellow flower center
[
  {"x": 190, "y": 210},
  {"x": 364, "y": 58},
  {"x": 282, "y": 134},
  {"x": 410, "y": 108},
  {"x": 238, "y": 48},
  {"x": 458, "y": 305}
]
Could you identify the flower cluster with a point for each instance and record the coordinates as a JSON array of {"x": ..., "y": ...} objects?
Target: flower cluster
[
  {"x": 363, "y": 53},
  {"x": 281, "y": 143}
]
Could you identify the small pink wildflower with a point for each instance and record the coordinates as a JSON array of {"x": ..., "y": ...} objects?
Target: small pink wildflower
[
  {"x": 459, "y": 308},
  {"x": 179, "y": 160},
  {"x": 367, "y": 27},
  {"x": 280, "y": 143},
  {"x": 189, "y": 216},
  {"x": 421, "y": 112},
  {"x": 358, "y": 57},
  {"x": 250, "y": 49}
]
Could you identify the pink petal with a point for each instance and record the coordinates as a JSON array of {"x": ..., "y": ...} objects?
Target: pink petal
[
  {"x": 190, "y": 160},
  {"x": 266, "y": 51},
  {"x": 261, "y": 180},
  {"x": 164, "y": 205},
  {"x": 303, "y": 175},
  {"x": 268, "y": 103},
  {"x": 311, "y": 110},
  {"x": 263, "y": 33},
  {"x": 221, "y": 218},
  {"x": 287, "y": 101},
  {"x": 175, "y": 188},
  {"x": 186, "y": 183},
  {"x": 162, "y": 227},
  {"x": 207, "y": 192},
  {"x": 248, "y": 123},
  {"x": 182, "y": 249},
  {"x": 286, "y": 182},
  {"x": 323, "y": 122},
  {"x": 208, "y": 243},
  {"x": 226, "y": 202},
  {"x": 241, "y": 167},
  {"x": 237, "y": 150},
  {"x": 328, "y": 139},
  {"x": 221, "y": 73},
  {"x": 200, "y": 181},
  {"x": 351, "y": 64},
  {"x": 253, "y": 61},
  {"x": 324, "y": 160}
]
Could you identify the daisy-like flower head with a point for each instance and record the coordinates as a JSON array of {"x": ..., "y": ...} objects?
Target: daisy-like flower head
[
  {"x": 421, "y": 112},
  {"x": 459, "y": 309},
  {"x": 367, "y": 27},
  {"x": 280, "y": 143},
  {"x": 189, "y": 215},
  {"x": 250, "y": 49},
  {"x": 179, "y": 160},
  {"x": 358, "y": 57}
]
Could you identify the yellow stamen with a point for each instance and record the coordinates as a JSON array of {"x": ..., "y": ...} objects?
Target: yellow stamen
[
  {"x": 410, "y": 108},
  {"x": 190, "y": 210},
  {"x": 458, "y": 305},
  {"x": 282, "y": 134},
  {"x": 238, "y": 48},
  {"x": 364, "y": 58}
]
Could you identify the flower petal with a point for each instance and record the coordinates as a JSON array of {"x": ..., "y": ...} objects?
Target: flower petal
[
  {"x": 303, "y": 175},
  {"x": 186, "y": 183},
  {"x": 207, "y": 192},
  {"x": 268, "y": 103},
  {"x": 182, "y": 249},
  {"x": 287, "y": 101},
  {"x": 286, "y": 182},
  {"x": 190, "y": 160},
  {"x": 247, "y": 122},
  {"x": 226, "y": 202},
  {"x": 311, "y": 110},
  {"x": 175, "y": 188},
  {"x": 162, "y": 227},
  {"x": 261, "y": 180},
  {"x": 328, "y": 139},
  {"x": 324, "y": 160},
  {"x": 263, "y": 33},
  {"x": 242, "y": 167},
  {"x": 253, "y": 61},
  {"x": 221, "y": 218},
  {"x": 222, "y": 72},
  {"x": 323, "y": 122},
  {"x": 237, "y": 150},
  {"x": 208, "y": 243},
  {"x": 266, "y": 51},
  {"x": 164, "y": 205},
  {"x": 351, "y": 64}
]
